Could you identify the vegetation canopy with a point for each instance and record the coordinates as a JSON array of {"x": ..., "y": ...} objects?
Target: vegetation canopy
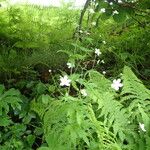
[{"x": 75, "y": 78}]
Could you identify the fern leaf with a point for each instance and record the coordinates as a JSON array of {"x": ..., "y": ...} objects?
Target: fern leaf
[{"x": 134, "y": 93}]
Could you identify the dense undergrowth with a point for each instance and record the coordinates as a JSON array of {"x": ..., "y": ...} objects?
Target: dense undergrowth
[{"x": 75, "y": 79}]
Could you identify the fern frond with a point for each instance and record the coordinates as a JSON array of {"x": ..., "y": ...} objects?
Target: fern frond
[
  {"x": 133, "y": 86},
  {"x": 109, "y": 110},
  {"x": 134, "y": 93},
  {"x": 116, "y": 115},
  {"x": 73, "y": 125},
  {"x": 136, "y": 100}
]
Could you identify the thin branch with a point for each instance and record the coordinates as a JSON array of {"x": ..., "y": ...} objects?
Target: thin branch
[
  {"x": 81, "y": 17},
  {"x": 83, "y": 12}
]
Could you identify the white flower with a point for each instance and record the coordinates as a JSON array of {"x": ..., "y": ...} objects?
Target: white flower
[
  {"x": 141, "y": 125},
  {"x": 80, "y": 31},
  {"x": 94, "y": 23},
  {"x": 115, "y": 12},
  {"x": 102, "y": 62},
  {"x": 70, "y": 65},
  {"x": 96, "y": 4},
  {"x": 98, "y": 61},
  {"x": 87, "y": 33},
  {"x": 91, "y": 11},
  {"x": 64, "y": 81},
  {"x": 111, "y": 3},
  {"x": 119, "y": 1},
  {"x": 104, "y": 42},
  {"x": 116, "y": 84},
  {"x": 97, "y": 51},
  {"x": 103, "y": 10},
  {"x": 104, "y": 72},
  {"x": 83, "y": 92},
  {"x": 49, "y": 70}
]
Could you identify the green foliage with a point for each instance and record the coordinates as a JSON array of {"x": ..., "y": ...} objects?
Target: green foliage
[
  {"x": 124, "y": 8},
  {"x": 8, "y": 99},
  {"x": 16, "y": 121},
  {"x": 70, "y": 123},
  {"x": 127, "y": 43},
  {"x": 133, "y": 88},
  {"x": 121, "y": 114},
  {"x": 87, "y": 123},
  {"x": 134, "y": 95},
  {"x": 20, "y": 29},
  {"x": 36, "y": 45}
]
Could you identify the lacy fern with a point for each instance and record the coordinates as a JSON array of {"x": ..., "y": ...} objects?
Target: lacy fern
[
  {"x": 71, "y": 123},
  {"x": 134, "y": 92},
  {"x": 122, "y": 113},
  {"x": 109, "y": 109},
  {"x": 103, "y": 119}
]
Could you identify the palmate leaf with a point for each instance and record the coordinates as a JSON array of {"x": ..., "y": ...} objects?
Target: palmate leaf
[{"x": 9, "y": 98}]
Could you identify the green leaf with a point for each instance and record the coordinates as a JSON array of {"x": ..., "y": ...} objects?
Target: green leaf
[
  {"x": 43, "y": 148},
  {"x": 5, "y": 121},
  {"x": 41, "y": 88},
  {"x": 11, "y": 92},
  {"x": 28, "y": 118},
  {"x": 30, "y": 139},
  {"x": 38, "y": 131},
  {"x": 45, "y": 99}
]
